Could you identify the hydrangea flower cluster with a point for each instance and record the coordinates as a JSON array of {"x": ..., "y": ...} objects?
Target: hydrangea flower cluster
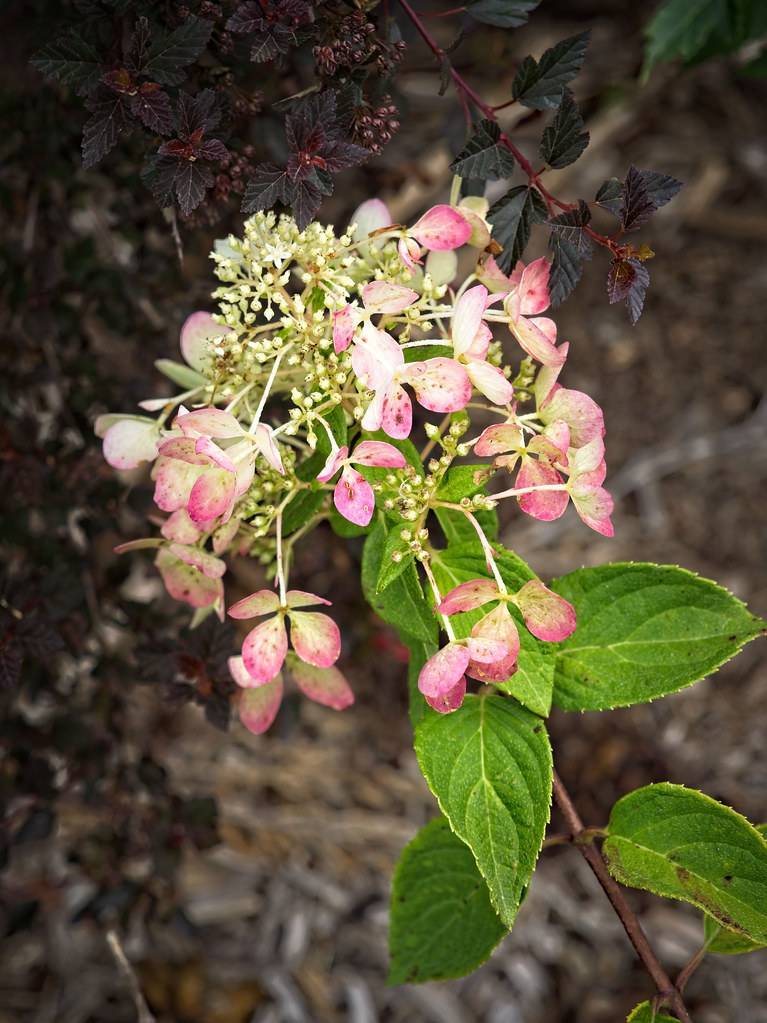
[{"x": 297, "y": 405}]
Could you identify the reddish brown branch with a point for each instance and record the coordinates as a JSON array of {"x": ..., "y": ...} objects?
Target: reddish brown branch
[
  {"x": 668, "y": 992},
  {"x": 466, "y": 92}
]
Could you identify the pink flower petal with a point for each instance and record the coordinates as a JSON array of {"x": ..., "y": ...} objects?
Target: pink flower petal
[
  {"x": 180, "y": 528},
  {"x": 301, "y": 598},
  {"x": 546, "y": 450},
  {"x": 354, "y": 498},
  {"x": 497, "y": 625},
  {"x": 378, "y": 453},
  {"x": 344, "y": 324},
  {"x": 212, "y": 496},
  {"x": 468, "y": 596},
  {"x": 210, "y": 422},
  {"x": 373, "y": 417},
  {"x": 267, "y": 447},
  {"x": 535, "y": 340},
  {"x": 264, "y": 649},
  {"x": 449, "y": 700},
  {"x": 216, "y": 455},
  {"x": 315, "y": 638},
  {"x": 578, "y": 410},
  {"x": 129, "y": 442},
  {"x": 396, "y": 413},
  {"x": 224, "y": 534},
  {"x": 548, "y": 375},
  {"x": 533, "y": 288},
  {"x": 409, "y": 252},
  {"x": 258, "y": 707},
  {"x": 443, "y": 670},
  {"x": 545, "y": 505},
  {"x": 487, "y": 651},
  {"x": 174, "y": 480},
  {"x": 558, "y": 432},
  {"x": 183, "y": 449},
  {"x": 595, "y": 506},
  {"x": 547, "y": 615},
  {"x": 441, "y": 227},
  {"x": 212, "y": 567},
  {"x": 490, "y": 381},
  {"x": 440, "y": 384},
  {"x": 198, "y": 336},
  {"x": 323, "y": 685},
  {"x": 185, "y": 583},
  {"x": 495, "y": 440},
  {"x": 467, "y": 319},
  {"x": 333, "y": 463},
  {"x": 491, "y": 275},
  {"x": 383, "y": 297},
  {"x": 262, "y": 602},
  {"x": 590, "y": 458}
]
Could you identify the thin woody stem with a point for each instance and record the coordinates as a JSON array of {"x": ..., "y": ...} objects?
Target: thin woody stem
[
  {"x": 669, "y": 993},
  {"x": 466, "y": 92}
]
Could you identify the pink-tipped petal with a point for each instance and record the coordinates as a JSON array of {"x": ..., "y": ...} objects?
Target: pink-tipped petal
[
  {"x": 409, "y": 252},
  {"x": 578, "y": 410},
  {"x": 180, "y": 528},
  {"x": 547, "y": 615},
  {"x": 443, "y": 670},
  {"x": 487, "y": 651},
  {"x": 546, "y": 450},
  {"x": 558, "y": 432},
  {"x": 533, "y": 288},
  {"x": 198, "y": 337},
  {"x": 595, "y": 506},
  {"x": 497, "y": 439},
  {"x": 396, "y": 413},
  {"x": 547, "y": 376},
  {"x": 333, "y": 463},
  {"x": 497, "y": 625},
  {"x": 208, "y": 564},
  {"x": 186, "y": 583},
  {"x": 535, "y": 339},
  {"x": 441, "y": 227},
  {"x": 378, "y": 453},
  {"x": 323, "y": 685},
  {"x": 183, "y": 449},
  {"x": 173, "y": 482},
  {"x": 216, "y": 455},
  {"x": 544, "y": 505},
  {"x": 225, "y": 534},
  {"x": 264, "y": 649},
  {"x": 589, "y": 459},
  {"x": 315, "y": 638},
  {"x": 211, "y": 422},
  {"x": 344, "y": 324},
  {"x": 262, "y": 602},
  {"x": 302, "y": 598},
  {"x": 467, "y": 318},
  {"x": 129, "y": 442},
  {"x": 212, "y": 496},
  {"x": 468, "y": 596},
  {"x": 491, "y": 275},
  {"x": 382, "y": 297},
  {"x": 258, "y": 707},
  {"x": 354, "y": 498},
  {"x": 267, "y": 447},
  {"x": 490, "y": 381},
  {"x": 440, "y": 384},
  {"x": 448, "y": 700},
  {"x": 373, "y": 417}
]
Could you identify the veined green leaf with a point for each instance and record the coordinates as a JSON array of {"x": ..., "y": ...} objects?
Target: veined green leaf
[
  {"x": 402, "y": 604},
  {"x": 720, "y": 940},
  {"x": 644, "y": 1013}
]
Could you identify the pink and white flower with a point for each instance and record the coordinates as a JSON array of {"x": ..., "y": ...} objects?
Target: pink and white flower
[
  {"x": 128, "y": 440},
  {"x": 528, "y": 296},
  {"x": 587, "y": 473},
  {"x": 353, "y": 496},
  {"x": 441, "y": 228},
  {"x": 442, "y": 680},
  {"x": 377, "y": 297},
  {"x": 471, "y": 338}
]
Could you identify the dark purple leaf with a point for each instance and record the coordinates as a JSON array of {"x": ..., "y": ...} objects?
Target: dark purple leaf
[
  {"x": 628, "y": 280},
  {"x": 266, "y": 188},
  {"x": 570, "y": 227},
  {"x": 638, "y": 205},
  {"x": 660, "y": 187},
  {"x": 247, "y": 18},
  {"x": 138, "y": 48},
  {"x": 72, "y": 60},
  {"x": 169, "y": 54},
  {"x": 539, "y": 84},
  {"x": 190, "y": 184},
  {"x": 153, "y": 109},
  {"x": 109, "y": 120},
  {"x": 564, "y": 139},
  {"x": 214, "y": 150},
  {"x": 610, "y": 196},
  {"x": 566, "y": 268}
]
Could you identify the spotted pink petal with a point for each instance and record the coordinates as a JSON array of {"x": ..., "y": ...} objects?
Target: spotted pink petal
[
  {"x": 258, "y": 707},
  {"x": 409, "y": 252},
  {"x": 468, "y": 596},
  {"x": 440, "y": 384},
  {"x": 547, "y": 615},
  {"x": 441, "y": 227},
  {"x": 183, "y": 449},
  {"x": 265, "y": 648},
  {"x": 590, "y": 458},
  {"x": 548, "y": 375},
  {"x": 535, "y": 338},
  {"x": 174, "y": 480},
  {"x": 208, "y": 564},
  {"x": 210, "y": 422},
  {"x": 396, "y": 413},
  {"x": 180, "y": 528},
  {"x": 533, "y": 288},
  {"x": 323, "y": 685},
  {"x": 333, "y": 463},
  {"x": 578, "y": 410},
  {"x": 378, "y": 453},
  {"x": 595, "y": 506},
  {"x": 239, "y": 673},
  {"x": 372, "y": 215},
  {"x": 186, "y": 583},
  {"x": 373, "y": 417},
  {"x": 354, "y": 498},
  {"x": 198, "y": 336},
  {"x": 496, "y": 439},
  {"x": 212, "y": 496},
  {"x": 262, "y": 602},
  {"x": 315, "y": 638},
  {"x": 487, "y": 651},
  {"x": 443, "y": 671},
  {"x": 344, "y": 324},
  {"x": 497, "y": 625},
  {"x": 129, "y": 442},
  {"x": 558, "y": 432},
  {"x": 216, "y": 455},
  {"x": 449, "y": 700},
  {"x": 383, "y": 297},
  {"x": 545, "y": 505},
  {"x": 546, "y": 449},
  {"x": 467, "y": 319},
  {"x": 376, "y": 357},
  {"x": 224, "y": 534},
  {"x": 491, "y": 275},
  {"x": 302, "y": 598},
  {"x": 490, "y": 381}
]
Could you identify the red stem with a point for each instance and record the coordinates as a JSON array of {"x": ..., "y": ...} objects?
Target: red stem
[{"x": 465, "y": 91}]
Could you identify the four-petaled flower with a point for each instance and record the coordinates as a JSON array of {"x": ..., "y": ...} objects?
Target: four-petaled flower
[
  {"x": 441, "y": 228},
  {"x": 377, "y": 297},
  {"x": 353, "y": 496},
  {"x": 528, "y": 295},
  {"x": 471, "y": 338}
]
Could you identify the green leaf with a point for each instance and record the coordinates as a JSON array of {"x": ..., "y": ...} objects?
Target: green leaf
[
  {"x": 644, "y": 631},
  {"x": 533, "y": 681},
  {"x": 681, "y": 28},
  {"x": 644, "y": 1013},
  {"x": 512, "y": 217},
  {"x": 540, "y": 84},
  {"x": 683, "y": 845},
  {"x": 458, "y": 529},
  {"x": 565, "y": 138},
  {"x": 720, "y": 940},
  {"x": 484, "y": 157},
  {"x": 459, "y": 481},
  {"x": 402, "y": 604},
  {"x": 391, "y": 568},
  {"x": 179, "y": 48},
  {"x": 420, "y": 352},
  {"x": 420, "y": 653},
  {"x": 489, "y": 765},
  {"x": 303, "y": 507},
  {"x": 342, "y": 527},
  {"x": 441, "y": 922},
  {"x": 180, "y": 374},
  {"x": 502, "y": 13}
]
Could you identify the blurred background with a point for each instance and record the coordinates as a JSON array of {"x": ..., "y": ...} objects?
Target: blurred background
[{"x": 248, "y": 877}]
